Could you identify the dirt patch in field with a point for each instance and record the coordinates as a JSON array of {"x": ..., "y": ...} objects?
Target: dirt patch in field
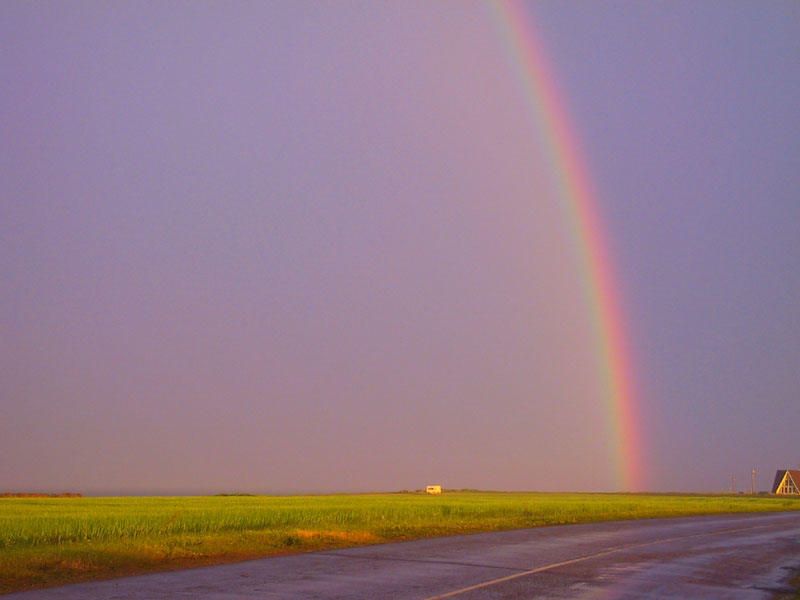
[{"x": 357, "y": 537}]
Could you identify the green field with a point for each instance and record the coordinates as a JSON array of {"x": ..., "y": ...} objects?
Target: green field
[{"x": 51, "y": 541}]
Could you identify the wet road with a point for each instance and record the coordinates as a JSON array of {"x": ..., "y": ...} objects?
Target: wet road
[{"x": 720, "y": 557}]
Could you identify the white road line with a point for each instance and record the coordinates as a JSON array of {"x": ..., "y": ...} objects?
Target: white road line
[{"x": 588, "y": 557}]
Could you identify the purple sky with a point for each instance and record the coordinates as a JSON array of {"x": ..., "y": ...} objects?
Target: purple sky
[{"x": 313, "y": 246}]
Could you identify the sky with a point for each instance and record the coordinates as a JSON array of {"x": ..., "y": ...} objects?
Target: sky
[{"x": 300, "y": 247}]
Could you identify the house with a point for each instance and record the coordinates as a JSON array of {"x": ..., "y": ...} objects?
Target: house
[
  {"x": 433, "y": 489},
  {"x": 786, "y": 482}
]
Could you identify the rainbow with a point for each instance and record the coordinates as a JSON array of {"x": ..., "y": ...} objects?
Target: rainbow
[{"x": 585, "y": 228}]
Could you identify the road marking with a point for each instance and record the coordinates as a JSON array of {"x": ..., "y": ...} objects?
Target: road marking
[{"x": 588, "y": 557}]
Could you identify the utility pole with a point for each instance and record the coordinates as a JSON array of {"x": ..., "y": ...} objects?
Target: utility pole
[
  {"x": 733, "y": 482},
  {"x": 753, "y": 481}
]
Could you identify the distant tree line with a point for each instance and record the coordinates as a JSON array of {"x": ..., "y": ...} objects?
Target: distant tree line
[{"x": 65, "y": 495}]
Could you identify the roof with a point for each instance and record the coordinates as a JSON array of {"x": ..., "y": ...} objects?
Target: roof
[{"x": 794, "y": 473}]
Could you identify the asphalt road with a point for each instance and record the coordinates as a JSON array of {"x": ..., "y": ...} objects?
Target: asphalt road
[{"x": 720, "y": 557}]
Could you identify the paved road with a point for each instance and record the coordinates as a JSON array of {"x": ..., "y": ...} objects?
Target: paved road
[{"x": 720, "y": 557}]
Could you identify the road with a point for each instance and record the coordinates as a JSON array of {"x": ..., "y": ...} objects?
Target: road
[{"x": 720, "y": 557}]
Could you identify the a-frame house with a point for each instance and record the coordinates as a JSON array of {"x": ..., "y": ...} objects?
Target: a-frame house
[{"x": 787, "y": 481}]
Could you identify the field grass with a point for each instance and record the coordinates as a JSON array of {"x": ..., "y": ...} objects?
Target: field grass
[{"x": 52, "y": 541}]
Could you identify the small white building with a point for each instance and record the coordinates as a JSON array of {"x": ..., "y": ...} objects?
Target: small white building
[{"x": 433, "y": 489}]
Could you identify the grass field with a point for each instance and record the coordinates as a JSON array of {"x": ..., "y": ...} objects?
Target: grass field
[{"x": 52, "y": 541}]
